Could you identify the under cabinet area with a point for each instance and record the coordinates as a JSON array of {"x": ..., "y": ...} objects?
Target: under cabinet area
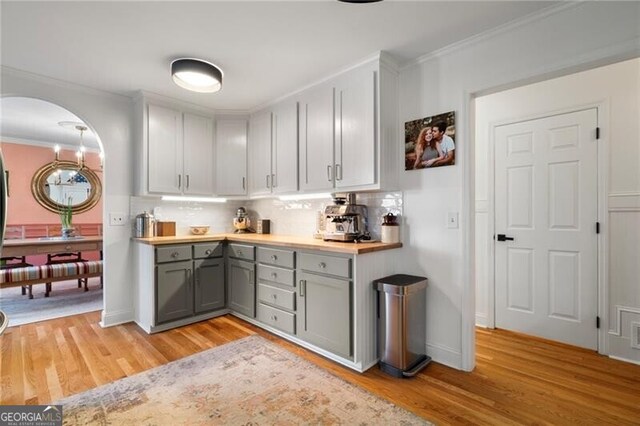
[
  {"x": 187, "y": 285},
  {"x": 319, "y": 299},
  {"x": 242, "y": 285}
]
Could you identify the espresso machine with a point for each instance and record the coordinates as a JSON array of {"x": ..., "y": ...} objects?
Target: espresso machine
[{"x": 345, "y": 220}]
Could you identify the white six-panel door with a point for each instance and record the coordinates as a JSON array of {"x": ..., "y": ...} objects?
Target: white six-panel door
[{"x": 546, "y": 200}]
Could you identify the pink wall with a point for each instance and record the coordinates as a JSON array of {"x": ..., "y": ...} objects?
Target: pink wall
[{"x": 22, "y": 162}]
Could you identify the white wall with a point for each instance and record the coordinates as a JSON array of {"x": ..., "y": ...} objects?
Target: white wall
[
  {"x": 571, "y": 38},
  {"x": 109, "y": 116},
  {"x": 617, "y": 88}
]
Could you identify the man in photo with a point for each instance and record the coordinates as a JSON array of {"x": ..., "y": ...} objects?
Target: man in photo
[{"x": 447, "y": 146}]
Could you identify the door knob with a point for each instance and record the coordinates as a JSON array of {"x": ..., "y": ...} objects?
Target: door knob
[{"x": 502, "y": 237}]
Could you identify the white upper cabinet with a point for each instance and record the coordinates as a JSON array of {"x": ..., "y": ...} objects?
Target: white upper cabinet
[
  {"x": 231, "y": 157},
  {"x": 260, "y": 153},
  {"x": 273, "y": 150},
  {"x": 355, "y": 132},
  {"x": 177, "y": 151},
  {"x": 164, "y": 150},
  {"x": 316, "y": 138},
  {"x": 198, "y": 171},
  {"x": 349, "y": 139},
  {"x": 284, "y": 148}
]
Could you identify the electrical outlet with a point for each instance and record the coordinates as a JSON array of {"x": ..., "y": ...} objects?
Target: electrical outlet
[
  {"x": 452, "y": 220},
  {"x": 116, "y": 219}
]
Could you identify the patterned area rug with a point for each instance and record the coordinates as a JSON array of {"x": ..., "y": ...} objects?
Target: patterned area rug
[
  {"x": 247, "y": 382},
  {"x": 65, "y": 299}
]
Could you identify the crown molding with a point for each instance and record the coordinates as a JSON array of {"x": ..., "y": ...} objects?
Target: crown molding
[
  {"x": 493, "y": 32},
  {"x": 46, "y": 144},
  {"x": 5, "y": 70}
]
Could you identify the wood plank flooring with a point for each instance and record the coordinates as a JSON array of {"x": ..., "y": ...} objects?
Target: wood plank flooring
[{"x": 518, "y": 379}]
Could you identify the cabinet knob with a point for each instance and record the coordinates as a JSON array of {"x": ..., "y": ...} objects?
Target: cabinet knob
[
  {"x": 322, "y": 265},
  {"x": 274, "y": 318},
  {"x": 208, "y": 252},
  {"x": 274, "y": 257},
  {"x": 174, "y": 254},
  {"x": 67, "y": 247},
  {"x": 239, "y": 253},
  {"x": 274, "y": 275},
  {"x": 275, "y": 296}
]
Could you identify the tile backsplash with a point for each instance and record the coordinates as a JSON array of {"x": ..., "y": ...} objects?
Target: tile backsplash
[{"x": 291, "y": 217}]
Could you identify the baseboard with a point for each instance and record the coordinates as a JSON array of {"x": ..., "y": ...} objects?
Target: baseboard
[
  {"x": 444, "y": 355},
  {"x": 619, "y": 358},
  {"x": 116, "y": 318},
  {"x": 481, "y": 321}
]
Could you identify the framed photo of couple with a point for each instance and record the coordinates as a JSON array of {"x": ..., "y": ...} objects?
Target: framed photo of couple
[{"x": 430, "y": 142}]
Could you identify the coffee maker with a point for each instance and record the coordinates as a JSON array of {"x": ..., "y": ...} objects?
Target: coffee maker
[{"x": 345, "y": 220}]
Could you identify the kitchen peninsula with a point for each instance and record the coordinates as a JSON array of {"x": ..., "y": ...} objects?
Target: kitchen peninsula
[{"x": 315, "y": 293}]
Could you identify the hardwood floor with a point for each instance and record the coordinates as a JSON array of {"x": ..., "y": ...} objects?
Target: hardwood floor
[{"x": 518, "y": 379}]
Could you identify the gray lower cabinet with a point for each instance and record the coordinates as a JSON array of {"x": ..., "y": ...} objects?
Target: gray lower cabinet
[
  {"x": 242, "y": 287},
  {"x": 323, "y": 315},
  {"x": 209, "y": 284},
  {"x": 189, "y": 281},
  {"x": 174, "y": 291}
]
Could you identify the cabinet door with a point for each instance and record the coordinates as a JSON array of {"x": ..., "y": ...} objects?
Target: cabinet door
[
  {"x": 242, "y": 287},
  {"x": 260, "y": 153},
  {"x": 324, "y": 312},
  {"x": 164, "y": 158},
  {"x": 198, "y": 155},
  {"x": 209, "y": 284},
  {"x": 355, "y": 147},
  {"x": 174, "y": 291},
  {"x": 231, "y": 157},
  {"x": 284, "y": 153},
  {"x": 316, "y": 139}
]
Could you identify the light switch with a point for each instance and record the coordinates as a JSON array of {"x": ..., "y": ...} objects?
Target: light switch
[
  {"x": 116, "y": 219},
  {"x": 452, "y": 220}
]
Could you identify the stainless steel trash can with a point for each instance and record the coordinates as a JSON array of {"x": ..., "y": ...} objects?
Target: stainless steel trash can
[{"x": 402, "y": 323}]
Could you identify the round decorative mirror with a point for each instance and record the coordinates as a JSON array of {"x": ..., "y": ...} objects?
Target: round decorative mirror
[{"x": 58, "y": 184}]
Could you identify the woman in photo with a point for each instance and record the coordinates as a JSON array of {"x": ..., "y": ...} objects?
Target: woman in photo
[{"x": 427, "y": 149}]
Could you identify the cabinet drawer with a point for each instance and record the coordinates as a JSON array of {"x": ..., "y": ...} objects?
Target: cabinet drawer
[
  {"x": 276, "y": 318},
  {"x": 277, "y": 275},
  {"x": 242, "y": 251},
  {"x": 276, "y": 296},
  {"x": 202, "y": 251},
  {"x": 173, "y": 253},
  {"x": 282, "y": 258},
  {"x": 331, "y": 265}
]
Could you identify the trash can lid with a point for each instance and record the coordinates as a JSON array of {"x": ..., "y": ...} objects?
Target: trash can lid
[{"x": 400, "y": 284}]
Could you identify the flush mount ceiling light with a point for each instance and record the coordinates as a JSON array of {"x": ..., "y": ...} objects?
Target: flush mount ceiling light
[{"x": 196, "y": 75}]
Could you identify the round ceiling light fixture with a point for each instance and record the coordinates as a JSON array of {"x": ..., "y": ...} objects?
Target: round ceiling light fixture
[{"x": 196, "y": 75}]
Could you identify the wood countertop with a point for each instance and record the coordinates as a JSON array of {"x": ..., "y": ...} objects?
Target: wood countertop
[{"x": 295, "y": 242}]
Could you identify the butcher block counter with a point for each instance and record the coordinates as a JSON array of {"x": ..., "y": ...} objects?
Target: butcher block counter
[{"x": 294, "y": 242}]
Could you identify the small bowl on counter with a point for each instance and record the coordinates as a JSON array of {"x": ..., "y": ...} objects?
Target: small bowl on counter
[{"x": 199, "y": 229}]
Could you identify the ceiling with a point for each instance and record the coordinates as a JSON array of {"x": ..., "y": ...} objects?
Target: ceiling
[{"x": 266, "y": 49}]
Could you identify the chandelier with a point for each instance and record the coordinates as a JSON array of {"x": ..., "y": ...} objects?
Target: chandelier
[{"x": 81, "y": 152}]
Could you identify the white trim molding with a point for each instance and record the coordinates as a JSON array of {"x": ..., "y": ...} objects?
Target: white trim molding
[
  {"x": 617, "y": 331},
  {"x": 444, "y": 355},
  {"x": 116, "y": 318},
  {"x": 624, "y": 202}
]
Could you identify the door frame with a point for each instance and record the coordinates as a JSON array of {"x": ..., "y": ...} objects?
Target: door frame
[{"x": 602, "y": 112}]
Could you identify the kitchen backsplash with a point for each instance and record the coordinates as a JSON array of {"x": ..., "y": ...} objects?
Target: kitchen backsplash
[{"x": 291, "y": 217}]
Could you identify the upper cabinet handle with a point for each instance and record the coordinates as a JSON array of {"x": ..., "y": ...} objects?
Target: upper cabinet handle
[
  {"x": 179, "y": 181},
  {"x": 187, "y": 181},
  {"x": 329, "y": 174},
  {"x": 268, "y": 176},
  {"x": 243, "y": 188},
  {"x": 338, "y": 171}
]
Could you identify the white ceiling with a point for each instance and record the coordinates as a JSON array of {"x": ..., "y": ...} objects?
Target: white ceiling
[{"x": 266, "y": 49}]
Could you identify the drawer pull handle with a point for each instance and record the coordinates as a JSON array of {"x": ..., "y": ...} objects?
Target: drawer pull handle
[
  {"x": 322, "y": 265},
  {"x": 274, "y": 257},
  {"x": 274, "y": 318},
  {"x": 208, "y": 252},
  {"x": 175, "y": 254}
]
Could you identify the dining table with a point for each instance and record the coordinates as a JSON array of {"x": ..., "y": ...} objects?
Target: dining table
[{"x": 50, "y": 245}]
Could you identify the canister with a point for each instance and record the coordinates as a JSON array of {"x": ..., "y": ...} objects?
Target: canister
[
  {"x": 144, "y": 225},
  {"x": 390, "y": 230}
]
